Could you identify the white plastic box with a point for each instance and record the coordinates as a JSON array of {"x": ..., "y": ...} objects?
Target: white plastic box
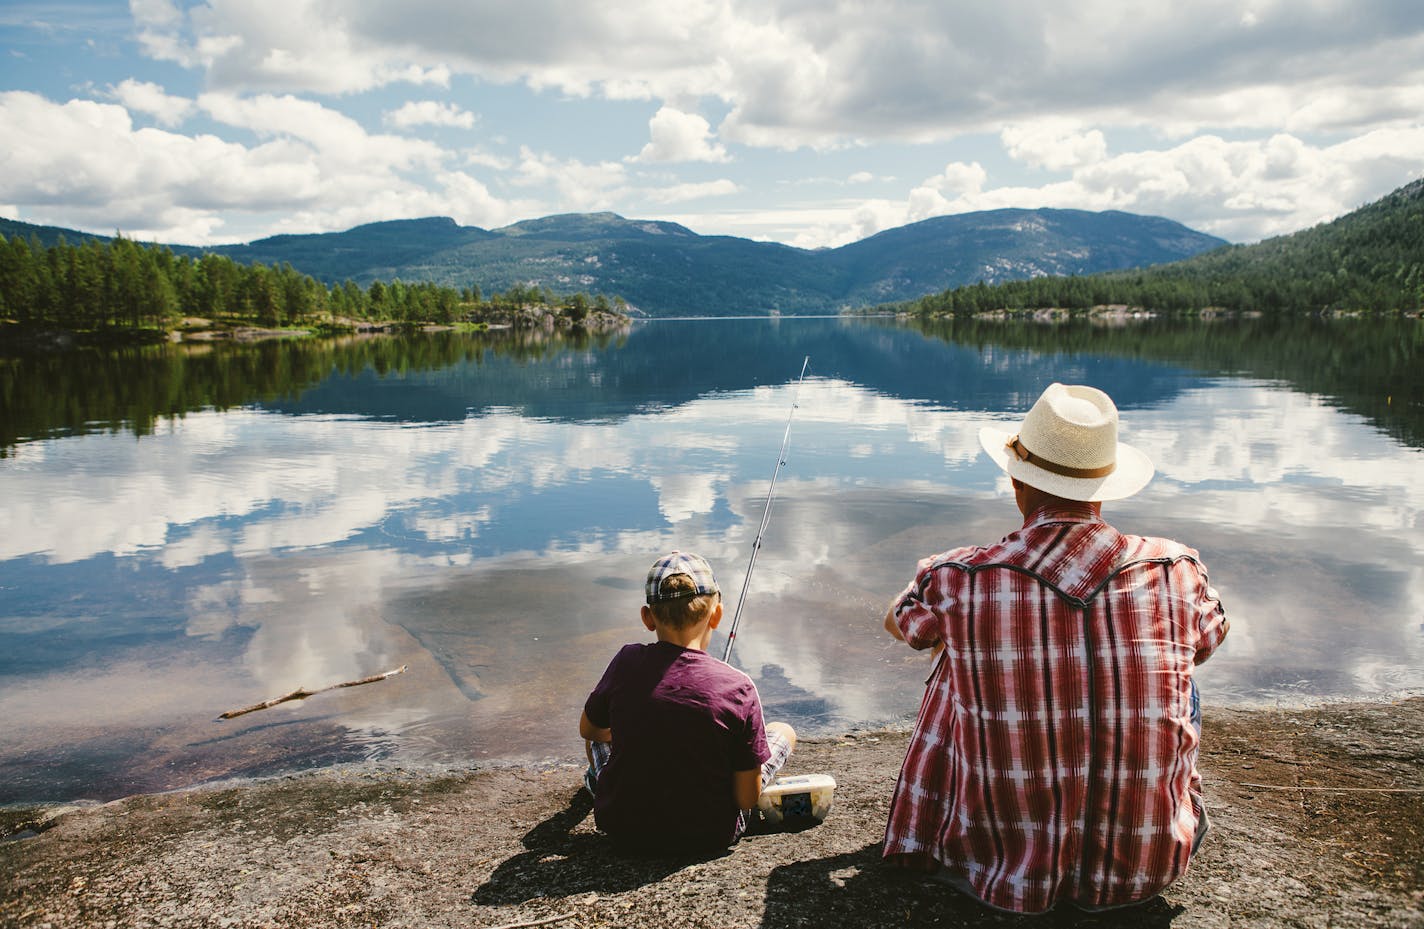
[{"x": 799, "y": 799}]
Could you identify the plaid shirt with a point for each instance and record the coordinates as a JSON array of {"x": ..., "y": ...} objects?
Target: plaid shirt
[{"x": 1054, "y": 756}]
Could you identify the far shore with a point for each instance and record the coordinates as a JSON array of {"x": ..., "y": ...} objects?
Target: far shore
[
  {"x": 194, "y": 329},
  {"x": 1317, "y": 820}
]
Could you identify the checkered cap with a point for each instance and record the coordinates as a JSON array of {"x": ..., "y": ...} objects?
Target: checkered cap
[{"x": 694, "y": 566}]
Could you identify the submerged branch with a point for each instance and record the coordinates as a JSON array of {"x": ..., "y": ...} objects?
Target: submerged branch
[{"x": 302, "y": 693}]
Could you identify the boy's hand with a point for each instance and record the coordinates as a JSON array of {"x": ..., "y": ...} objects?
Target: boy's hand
[{"x": 746, "y": 787}]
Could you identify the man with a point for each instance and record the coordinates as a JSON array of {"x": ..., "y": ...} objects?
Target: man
[{"x": 1054, "y": 758}]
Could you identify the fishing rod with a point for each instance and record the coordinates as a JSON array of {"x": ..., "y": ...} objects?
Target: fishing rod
[{"x": 765, "y": 513}]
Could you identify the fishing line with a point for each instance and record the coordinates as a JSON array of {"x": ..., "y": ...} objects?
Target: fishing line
[{"x": 765, "y": 513}]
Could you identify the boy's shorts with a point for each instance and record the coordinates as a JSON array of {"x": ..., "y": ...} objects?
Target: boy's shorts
[{"x": 776, "y": 742}]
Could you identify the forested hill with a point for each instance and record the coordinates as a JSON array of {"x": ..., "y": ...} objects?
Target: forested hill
[
  {"x": 1371, "y": 259},
  {"x": 662, "y": 268}
]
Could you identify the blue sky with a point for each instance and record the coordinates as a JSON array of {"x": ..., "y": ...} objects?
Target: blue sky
[{"x": 808, "y": 122}]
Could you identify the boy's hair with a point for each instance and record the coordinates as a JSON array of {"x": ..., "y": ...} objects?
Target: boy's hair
[{"x": 688, "y": 607}]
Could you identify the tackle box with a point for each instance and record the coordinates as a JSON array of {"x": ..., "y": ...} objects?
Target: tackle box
[{"x": 801, "y": 798}]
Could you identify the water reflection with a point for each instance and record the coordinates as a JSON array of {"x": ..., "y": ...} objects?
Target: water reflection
[
  {"x": 486, "y": 519},
  {"x": 1372, "y": 367}
]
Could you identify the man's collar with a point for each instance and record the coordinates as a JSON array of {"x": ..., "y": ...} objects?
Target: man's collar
[{"x": 1066, "y": 511}]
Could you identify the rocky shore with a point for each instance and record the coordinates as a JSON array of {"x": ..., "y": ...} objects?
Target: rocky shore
[{"x": 1318, "y": 820}]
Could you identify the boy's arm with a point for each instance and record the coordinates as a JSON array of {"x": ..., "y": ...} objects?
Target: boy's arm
[
  {"x": 593, "y": 733},
  {"x": 746, "y": 787}
]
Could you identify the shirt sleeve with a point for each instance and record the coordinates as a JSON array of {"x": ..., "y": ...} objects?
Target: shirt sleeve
[
  {"x": 1211, "y": 621},
  {"x": 751, "y": 751},
  {"x": 596, "y": 707},
  {"x": 919, "y": 623}
]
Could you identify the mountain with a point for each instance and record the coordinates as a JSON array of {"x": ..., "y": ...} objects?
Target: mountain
[
  {"x": 375, "y": 251},
  {"x": 1000, "y": 245},
  {"x": 1371, "y": 259},
  {"x": 663, "y": 268}
]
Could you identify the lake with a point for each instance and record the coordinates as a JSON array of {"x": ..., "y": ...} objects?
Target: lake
[{"x": 189, "y": 530}]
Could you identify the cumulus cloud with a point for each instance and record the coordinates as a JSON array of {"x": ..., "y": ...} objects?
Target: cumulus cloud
[
  {"x": 580, "y": 186},
  {"x": 679, "y": 136},
  {"x": 959, "y": 178},
  {"x": 153, "y": 100},
  {"x": 156, "y": 14},
  {"x": 87, "y": 159},
  {"x": 430, "y": 113},
  {"x": 796, "y": 74},
  {"x": 679, "y": 193},
  {"x": 331, "y": 133},
  {"x": 296, "y": 45},
  {"x": 1054, "y": 144},
  {"x": 485, "y": 159},
  {"x": 1243, "y": 190},
  {"x": 85, "y": 163},
  {"x": 1240, "y": 190},
  {"x": 799, "y": 75},
  {"x": 1269, "y": 103}
]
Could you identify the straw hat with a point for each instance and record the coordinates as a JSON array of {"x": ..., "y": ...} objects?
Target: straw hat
[{"x": 1068, "y": 447}]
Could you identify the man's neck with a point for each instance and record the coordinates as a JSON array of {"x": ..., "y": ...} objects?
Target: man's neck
[
  {"x": 1058, "y": 507},
  {"x": 1033, "y": 503}
]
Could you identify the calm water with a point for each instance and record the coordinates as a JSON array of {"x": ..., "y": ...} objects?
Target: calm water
[{"x": 183, "y": 533}]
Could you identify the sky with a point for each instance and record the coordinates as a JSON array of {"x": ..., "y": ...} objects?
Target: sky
[{"x": 808, "y": 122}]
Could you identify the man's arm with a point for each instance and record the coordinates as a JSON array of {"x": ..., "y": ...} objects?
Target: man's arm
[{"x": 591, "y": 732}]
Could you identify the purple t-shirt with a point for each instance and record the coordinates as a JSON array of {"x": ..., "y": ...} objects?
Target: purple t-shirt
[{"x": 682, "y": 722}]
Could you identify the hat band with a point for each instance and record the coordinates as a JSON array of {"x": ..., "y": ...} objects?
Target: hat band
[{"x": 1053, "y": 467}]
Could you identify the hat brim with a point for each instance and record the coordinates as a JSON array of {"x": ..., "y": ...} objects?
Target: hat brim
[{"x": 1134, "y": 470}]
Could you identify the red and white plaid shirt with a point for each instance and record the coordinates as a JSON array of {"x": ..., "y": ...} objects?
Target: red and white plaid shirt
[{"x": 1053, "y": 758}]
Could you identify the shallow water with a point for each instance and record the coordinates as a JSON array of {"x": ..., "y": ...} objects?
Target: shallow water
[{"x": 184, "y": 533}]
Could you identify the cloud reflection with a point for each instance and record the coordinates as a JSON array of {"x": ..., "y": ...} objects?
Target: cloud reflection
[{"x": 326, "y": 548}]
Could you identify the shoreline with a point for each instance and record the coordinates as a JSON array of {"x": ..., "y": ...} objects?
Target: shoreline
[
  {"x": 40, "y": 807},
  {"x": 16, "y": 340},
  {"x": 1318, "y": 819}
]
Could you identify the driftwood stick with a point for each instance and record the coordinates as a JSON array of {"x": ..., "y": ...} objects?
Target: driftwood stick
[
  {"x": 302, "y": 693},
  {"x": 538, "y": 922}
]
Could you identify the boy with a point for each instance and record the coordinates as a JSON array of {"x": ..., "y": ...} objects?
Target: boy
[{"x": 677, "y": 746}]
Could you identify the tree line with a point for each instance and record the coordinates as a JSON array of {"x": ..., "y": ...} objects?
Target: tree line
[
  {"x": 1173, "y": 289},
  {"x": 120, "y": 284},
  {"x": 135, "y": 388}
]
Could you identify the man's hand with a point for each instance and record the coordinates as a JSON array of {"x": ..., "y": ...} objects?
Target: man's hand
[{"x": 891, "y": 626}]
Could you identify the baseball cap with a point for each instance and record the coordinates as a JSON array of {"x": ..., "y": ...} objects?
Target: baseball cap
[{"x": 694, "y": 566}]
